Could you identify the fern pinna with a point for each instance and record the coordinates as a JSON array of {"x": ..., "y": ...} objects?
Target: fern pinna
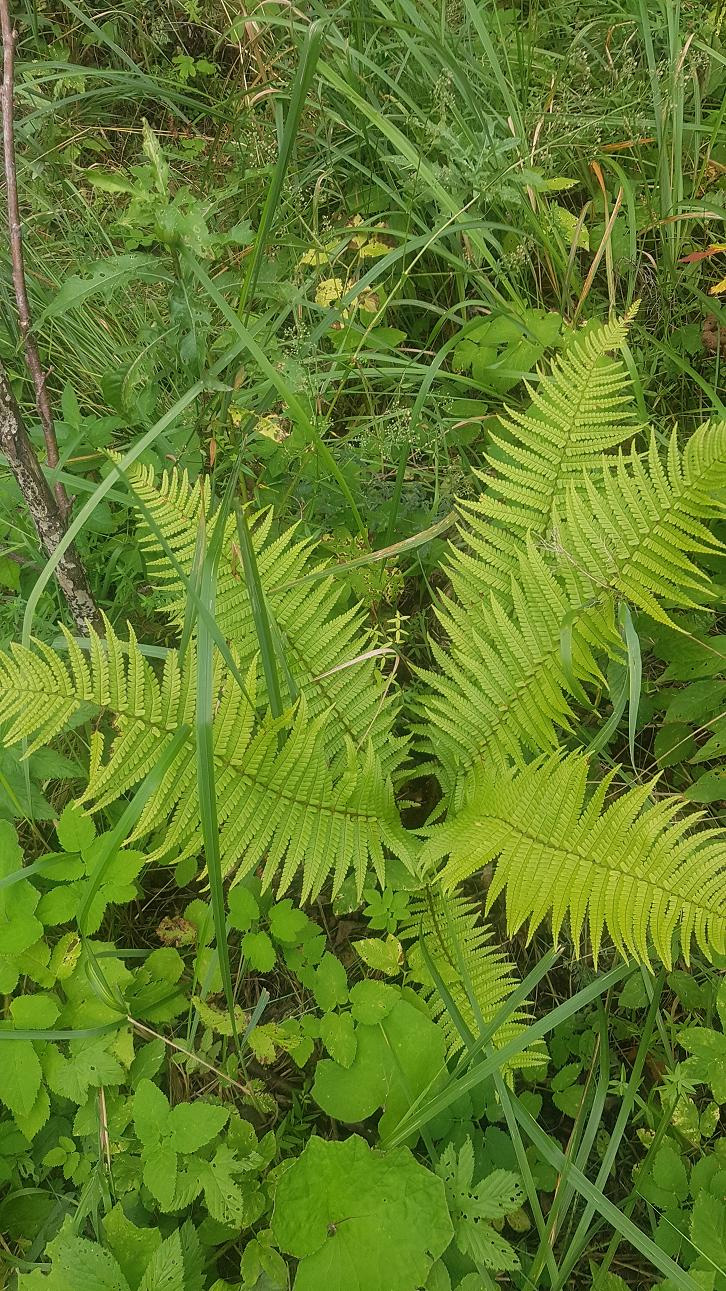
[{"x": 579, "y": 514}]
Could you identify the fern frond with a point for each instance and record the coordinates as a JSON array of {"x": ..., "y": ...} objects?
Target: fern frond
[
  {"x": 502, "y": 687},
  {"x": 581, "y": 410},
  {"x": 632, "y": 532},
  {"x": 279, "y": 805},
  {"x": 326, "y": 642},
  {"x": 457, "y": 942},
  {"x": 636, "y": 868}
]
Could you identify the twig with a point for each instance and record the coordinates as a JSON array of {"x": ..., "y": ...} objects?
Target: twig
[{"x": 32, "y": 358}]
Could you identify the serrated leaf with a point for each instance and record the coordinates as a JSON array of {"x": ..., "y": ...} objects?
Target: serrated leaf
[
  {"x": 191, "y": 1125},
  {"x": 151, "y": 1112},
  {"x": 160, "y": 1172},
  {"x": 88, "y": 1065},
  {"x": 243, "y": 908},
  {"x": 103, "y": 279},
  {"x": 337, "y": 1033},
  {"x": 382, "y": 955},
  {"x": 131, "y": 1246},
  {"x": 259, "y": 950},
  {"x": 20, "y": 1076},
  {"x": 330, "y": 983},
  {"x": 75, "y": 828}
]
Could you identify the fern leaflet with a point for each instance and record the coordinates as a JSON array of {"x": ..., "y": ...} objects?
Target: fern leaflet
[
  {"x": 450, "y": 928},
  {"x": 635, "y": 868},
  {"x": 326, "y": 643},
  {"x": 278, "y": 804}
]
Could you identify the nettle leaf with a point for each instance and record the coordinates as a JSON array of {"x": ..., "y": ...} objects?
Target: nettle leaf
[
  {"x": 233, "y": 1201},
  {"x": 191, "y": 1125},
  {"x": 77, "y": 1265},
  {"x": 132, "y": 1247},
  {"x": 360, "y": 1220},
  {"x": 177, "y": 1264},
  {"x": 289, "y": 924},
  {"x": 395, "y": 1060},
  {"x": 337, "y": 1032},
  {"x": 75, "y": 829},
  {"x": 330, "y": 983},
  {"x": 152, "y": 1112},
  {"x": 88, "y": 1065},
  {"x": 20, "y": 1076}
]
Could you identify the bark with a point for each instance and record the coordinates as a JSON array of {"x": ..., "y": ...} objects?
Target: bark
[{"x": 43, "y": 507}]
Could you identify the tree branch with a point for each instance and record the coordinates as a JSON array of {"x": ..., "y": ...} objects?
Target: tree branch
[
  {"x": 32, "y": 358},
  {"x": 49, "y": 523}
]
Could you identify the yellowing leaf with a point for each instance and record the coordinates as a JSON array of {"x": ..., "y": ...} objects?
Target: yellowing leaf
[
  {"x": 329, "y": 290},
  {"x": 382, "y": 956},
  {"x": 314, "y": 257},
  {"x": 719, "y": 289},
  {"x": 373, "y": 249},
  {"x": 567, "y": 223},
  {"x": 369, "y": 301}
]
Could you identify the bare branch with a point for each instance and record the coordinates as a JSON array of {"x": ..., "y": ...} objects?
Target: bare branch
[
  {"x": 32, "y": 358},
  {"x": 49, "y": 523}
]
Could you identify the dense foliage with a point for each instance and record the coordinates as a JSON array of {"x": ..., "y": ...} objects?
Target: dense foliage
[{"x": 363, "y": 863}]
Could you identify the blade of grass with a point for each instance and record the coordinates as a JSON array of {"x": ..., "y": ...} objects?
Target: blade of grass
[{"x": 309, "y": 55}]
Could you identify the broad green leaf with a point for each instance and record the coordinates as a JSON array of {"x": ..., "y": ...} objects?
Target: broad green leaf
[
  {"x": 243, "y": 908},
  {"x": 383, "y": 955},
  {"x": 177, "y": 1264},
  {"x": 152, "y": 1113},
  {"x": 20, "y": 1075},
  {"x": 160, "y": 1172},
  {"x": 395, "y": 1061},
  {"x": 103, "y": 278},
  {"x": 288, "y": 923},
  {"x": 131, "y": 1246},
  {"x": 191, "y": 1125},
  {"x": 232, "y": 1197},
  {"x": 75, "y": 829},
  {"x": 77, "y": 1265},
  {"x": 337, "y": 1033},
  {"x": 260, "y": 951},
  {"x": 372, "y": 1001},
  {"x": 88, "y": 1065},
  {"x": 330, "y": 983},
  {"x": 34, "y": 1012},
  {"x": 360, "y": 1220}
]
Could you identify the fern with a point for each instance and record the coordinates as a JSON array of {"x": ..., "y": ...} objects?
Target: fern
[
  {"x": 278, "y": 803},
  {"x": 631, "y": 535},
  {"x": 503, "y": 687},
  {"x": 636, "y": 868},
  {"x": 450, "y": 929},
  {"x": 326, "y": 644},
  {"x": 581, "y": 410}
]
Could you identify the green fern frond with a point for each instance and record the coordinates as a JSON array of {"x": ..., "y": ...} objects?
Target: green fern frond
[
  {"x": 636, "y": 868},
  {"x": 502, "y": 687},
  {"x": 326, "y": 643},
  {"x": 581, "y": 410},
  {"x": 450, "y": 928},
  {"x": 632, "y": 532},
  {"x": 278, "y": 803}
]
